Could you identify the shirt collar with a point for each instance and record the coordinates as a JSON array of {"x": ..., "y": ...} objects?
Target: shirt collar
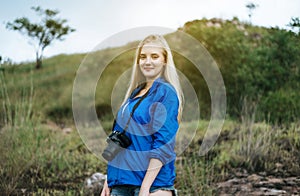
[{"x": 155, "y": 84}]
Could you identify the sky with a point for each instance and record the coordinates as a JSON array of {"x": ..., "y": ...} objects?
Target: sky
[{"x": 97, "y": 20}]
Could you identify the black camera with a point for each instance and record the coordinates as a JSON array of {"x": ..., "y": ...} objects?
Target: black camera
[{"x": 116, "y": 142}]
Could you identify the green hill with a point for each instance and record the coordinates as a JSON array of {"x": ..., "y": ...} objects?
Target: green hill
[{"x": 259, "y": 66}]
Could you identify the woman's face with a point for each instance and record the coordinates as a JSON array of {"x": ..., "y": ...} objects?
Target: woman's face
[{"x": 151, "y": 61}]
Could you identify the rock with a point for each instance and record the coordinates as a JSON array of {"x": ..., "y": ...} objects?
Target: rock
[
  {"x": 254, "y": 178},
  {"x": 292, "y": 181},
  {"x": 276, "y": 192},
  {"x": 229, "y": 183},
  {"x": 255, "y": 184},
  {"x": 270, "y": 183},
  {"x": 94, "y": 184},
  {"x": 277, "y": 183},
  {"x": 67, "y": 130}
]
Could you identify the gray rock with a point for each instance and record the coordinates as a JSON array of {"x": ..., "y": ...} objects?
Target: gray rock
[{"x": 94, "y": 184}]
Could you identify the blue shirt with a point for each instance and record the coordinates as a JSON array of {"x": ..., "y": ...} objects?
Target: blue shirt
[{"x": 152, "y": 130}]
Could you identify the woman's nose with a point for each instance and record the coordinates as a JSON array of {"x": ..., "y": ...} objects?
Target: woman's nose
[{"x": 148, "y": 61}]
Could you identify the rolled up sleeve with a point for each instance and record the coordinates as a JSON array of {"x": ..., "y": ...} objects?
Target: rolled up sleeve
[{"x": 165, "y": 126}]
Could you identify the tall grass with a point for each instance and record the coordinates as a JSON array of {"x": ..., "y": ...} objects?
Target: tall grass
[
  {"x": 195, "y": 175},
  {"x": 261, "y": 146},
  {"x": 35, "y": 158},
  {"x": 16, "y": 112}
]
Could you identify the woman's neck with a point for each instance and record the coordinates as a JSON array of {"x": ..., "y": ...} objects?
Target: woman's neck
[{"x": 148, "y": 84}]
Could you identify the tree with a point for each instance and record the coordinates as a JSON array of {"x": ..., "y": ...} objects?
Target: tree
[
  {"x": 41, "y": 34},
  {"x": 295, "y": 23},
  {"x": 251, "y": 7}
]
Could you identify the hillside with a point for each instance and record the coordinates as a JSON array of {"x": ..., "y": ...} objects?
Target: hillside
[{"x": 258, "y": 65}]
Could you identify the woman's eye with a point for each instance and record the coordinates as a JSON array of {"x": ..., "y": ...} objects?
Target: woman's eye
[
  {"x": 142, "y": 56},
  {"x": 155, "y": 56}
]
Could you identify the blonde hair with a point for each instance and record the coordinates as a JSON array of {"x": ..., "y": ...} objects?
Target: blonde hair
[{"x": 170, "y": 73}]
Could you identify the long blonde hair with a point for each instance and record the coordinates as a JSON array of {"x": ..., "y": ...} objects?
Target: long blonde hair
[{"x": 170, "y": 73}]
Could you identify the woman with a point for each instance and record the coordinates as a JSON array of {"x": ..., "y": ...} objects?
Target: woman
[{"x": 146, "y": 167}]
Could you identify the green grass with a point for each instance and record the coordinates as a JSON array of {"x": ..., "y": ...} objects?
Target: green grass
[
  {"x": 42, "y": 160},
  {"x": 36, "y": 156}
]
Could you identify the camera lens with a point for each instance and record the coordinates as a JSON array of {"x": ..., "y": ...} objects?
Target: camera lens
[
  {"x": 116, "y": 142},
  {"x": 111, "y": 150}
]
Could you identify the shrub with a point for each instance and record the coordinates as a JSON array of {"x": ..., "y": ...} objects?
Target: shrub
[{"x": 281, "y": 107}]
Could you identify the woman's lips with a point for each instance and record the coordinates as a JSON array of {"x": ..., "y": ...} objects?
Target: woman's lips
[{"x": 148, "y": 68}]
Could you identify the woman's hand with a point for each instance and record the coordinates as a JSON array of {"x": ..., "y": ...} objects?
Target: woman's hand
[
  {"x": 144, "y": 192},
  {"x": 105, "y": 190}
]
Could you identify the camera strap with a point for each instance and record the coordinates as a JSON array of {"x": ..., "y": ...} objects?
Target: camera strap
[{"x": 133, "y": 109}]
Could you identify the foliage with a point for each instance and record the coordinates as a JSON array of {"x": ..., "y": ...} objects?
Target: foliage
[
  {"x": 251, "y": 7},
  {"x": 295, "y": 23},
  {"x": 39, "y": 157},
  {"x": 195, "y": 175},
  {"x": 254, "y": 62},
  {"x": 35, "y": 158},
  {"x": 42, "y": 34},
  {"x": 281, "y": 106},
  {"x": 272, "y": 66}
]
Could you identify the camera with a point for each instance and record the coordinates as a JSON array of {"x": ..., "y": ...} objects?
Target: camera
[{"x": 116, "y": 142}]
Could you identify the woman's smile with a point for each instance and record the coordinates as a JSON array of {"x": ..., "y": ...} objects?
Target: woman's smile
[{"x": 148, "y": 68}]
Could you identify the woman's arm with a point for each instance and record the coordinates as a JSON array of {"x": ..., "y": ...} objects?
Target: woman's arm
[
  {"x": 165, "y": 122},
  {"x": 105, "y": 190},
  {"x": 152, "y": 171}
]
